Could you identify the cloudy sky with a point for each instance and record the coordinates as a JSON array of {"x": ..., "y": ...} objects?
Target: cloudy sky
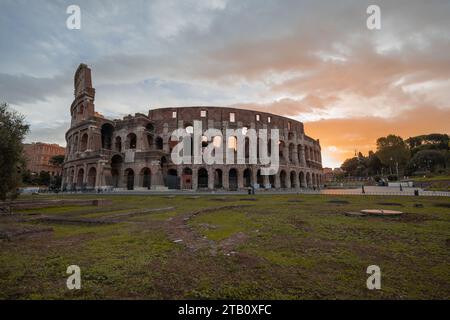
[{"x": 314, "y": 61}]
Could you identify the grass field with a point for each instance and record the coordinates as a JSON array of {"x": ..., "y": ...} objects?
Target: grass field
[{"x": 232, "y": 247}]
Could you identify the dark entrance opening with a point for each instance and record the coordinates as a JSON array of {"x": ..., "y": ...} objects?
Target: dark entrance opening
[
  {"x": 187, "y": 178},
  {"x": 259, "y": 179},
  {"x": 172, "y": 180},
  {"x": 107, "y": 133},
  {"x": 247, "y": 178},
  {"x": 218, "y": 179},
  {"x": 146, "y": 178},
  {"x": 130, "y": 179},
  {"x": 233, "y": 180},
  {"x": 202, "y": 178}
]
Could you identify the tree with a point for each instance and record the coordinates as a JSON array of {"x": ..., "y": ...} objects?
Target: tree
[
  {"x": 427, "y": 160},
  {"x": 12, "y": 132},
  {"x": 350, "y": 166},
  {"x": 57, "y": 160},
  {"x": 374, "y": 164},
  {"x": 393, "y": 152},
  {"x": 44, "y": 178}
]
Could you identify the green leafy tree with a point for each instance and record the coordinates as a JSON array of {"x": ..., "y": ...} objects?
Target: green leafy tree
[
  {"x": 427, "y": 160},
  {"x": 57, "y": 160},
  {"x": 392, "y": 152},
  {"x": 12, "y": 132},
  {"x": 350, "y": 166},
  {"x": 44, "y": 178},
  {"x": 374, "y": 164}
]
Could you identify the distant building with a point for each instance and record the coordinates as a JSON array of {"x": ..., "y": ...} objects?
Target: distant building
[
  {"x": 38, "y": 157},
  {"x": 329, "y": 174}
]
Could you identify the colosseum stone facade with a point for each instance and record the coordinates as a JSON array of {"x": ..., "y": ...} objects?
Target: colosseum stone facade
[{"x": 133, "y": 153}]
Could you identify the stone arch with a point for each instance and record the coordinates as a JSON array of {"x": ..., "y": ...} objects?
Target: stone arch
[
  {"x": 150, "y": 128},
  {"x": 291, "y": 152},
  {"x": 269, "y": 147},
  {"x": 293, "y": 178},
  {"x": 72, "y": 176},
  {"x": 91, "y": 177},
  {"x": 131, "y": 141},
  {"x": 75, "y": 144},
  {"x": 202, "y": 178},
  {"x": 129, "y": 176},
  {"x": 299, "y": 153},
  {"x": 272, "y": 181},
  {"x": 116, "y": 166},
  {"x": 232, "y": 143},
  {"x": 308, "y": 179},
  {"x": 84, "y": 142},
  {"x": 172, "y": 180},
  {"x": 80, "y": 177},
  {"x": 301, "y": 179},
  {"x": 283, "y": 179},
  {"x": 290, "y": 136},
  {"x": 186, "y": 177},
  {"x": 247, "y": 147},
  {"x": 150, "y": 141},
  {"x": 218, "y": 179},
  {"x": 159, "y": 143},
  {"x": 233, "y": 179},
  {"x": 146, "y": 178},
  {"x": 281, "y": 154},
  {"x": 259, "y": 179},
  {"x": 247, "y": 177},
  {"x": 118, "y": 144},
  {"x": 107, "y": 131}
]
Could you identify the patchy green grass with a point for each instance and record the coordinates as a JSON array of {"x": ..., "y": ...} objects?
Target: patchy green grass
[{"x": 292, "y": 250}]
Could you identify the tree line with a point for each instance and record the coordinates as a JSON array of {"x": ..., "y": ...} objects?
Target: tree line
[
  {"x": 13, "y": 173},
  {"x": 396, "y": 157}
]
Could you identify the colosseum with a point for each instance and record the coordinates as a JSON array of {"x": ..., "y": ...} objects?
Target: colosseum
[{"x": 133, "y": 153}]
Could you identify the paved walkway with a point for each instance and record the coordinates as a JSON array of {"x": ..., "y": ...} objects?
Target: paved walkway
[{"x": 384, "y": 191}]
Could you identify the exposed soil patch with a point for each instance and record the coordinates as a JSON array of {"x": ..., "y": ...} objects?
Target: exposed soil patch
[
  {"x": 413, "y": 217},
  {"x": 67, "y": 220},
  {"x": 339, "y": 201},
  {"x": 11, "y": 232},
  {"x": 299, "y": 224},
  {"x": 248, "y": 199},
  {"x": 180, "y": 232},
  {"x": 443, "y": 205},
  {"x": 355, "y": 214},
  {"x": 63, "y": 219},
  {"x": 35, "y": 204},
  {"x": 122, "y": 216},
  {"x": 227, "y": 245},
  {"x": 295, "y": 200},
  {"x": 390, "y": 204},
  {"x": 224, "y": 199}
]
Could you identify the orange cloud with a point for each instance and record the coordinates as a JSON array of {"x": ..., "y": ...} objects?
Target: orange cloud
[
  {"x": 341, "y": 137},
  {"x": 290, "y": 107}
]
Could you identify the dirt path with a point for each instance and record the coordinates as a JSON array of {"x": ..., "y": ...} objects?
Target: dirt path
[{"x": 180, "y": 232}]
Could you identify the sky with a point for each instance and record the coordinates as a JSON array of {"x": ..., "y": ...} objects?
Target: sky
[{"x": 313, "y": 61}]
